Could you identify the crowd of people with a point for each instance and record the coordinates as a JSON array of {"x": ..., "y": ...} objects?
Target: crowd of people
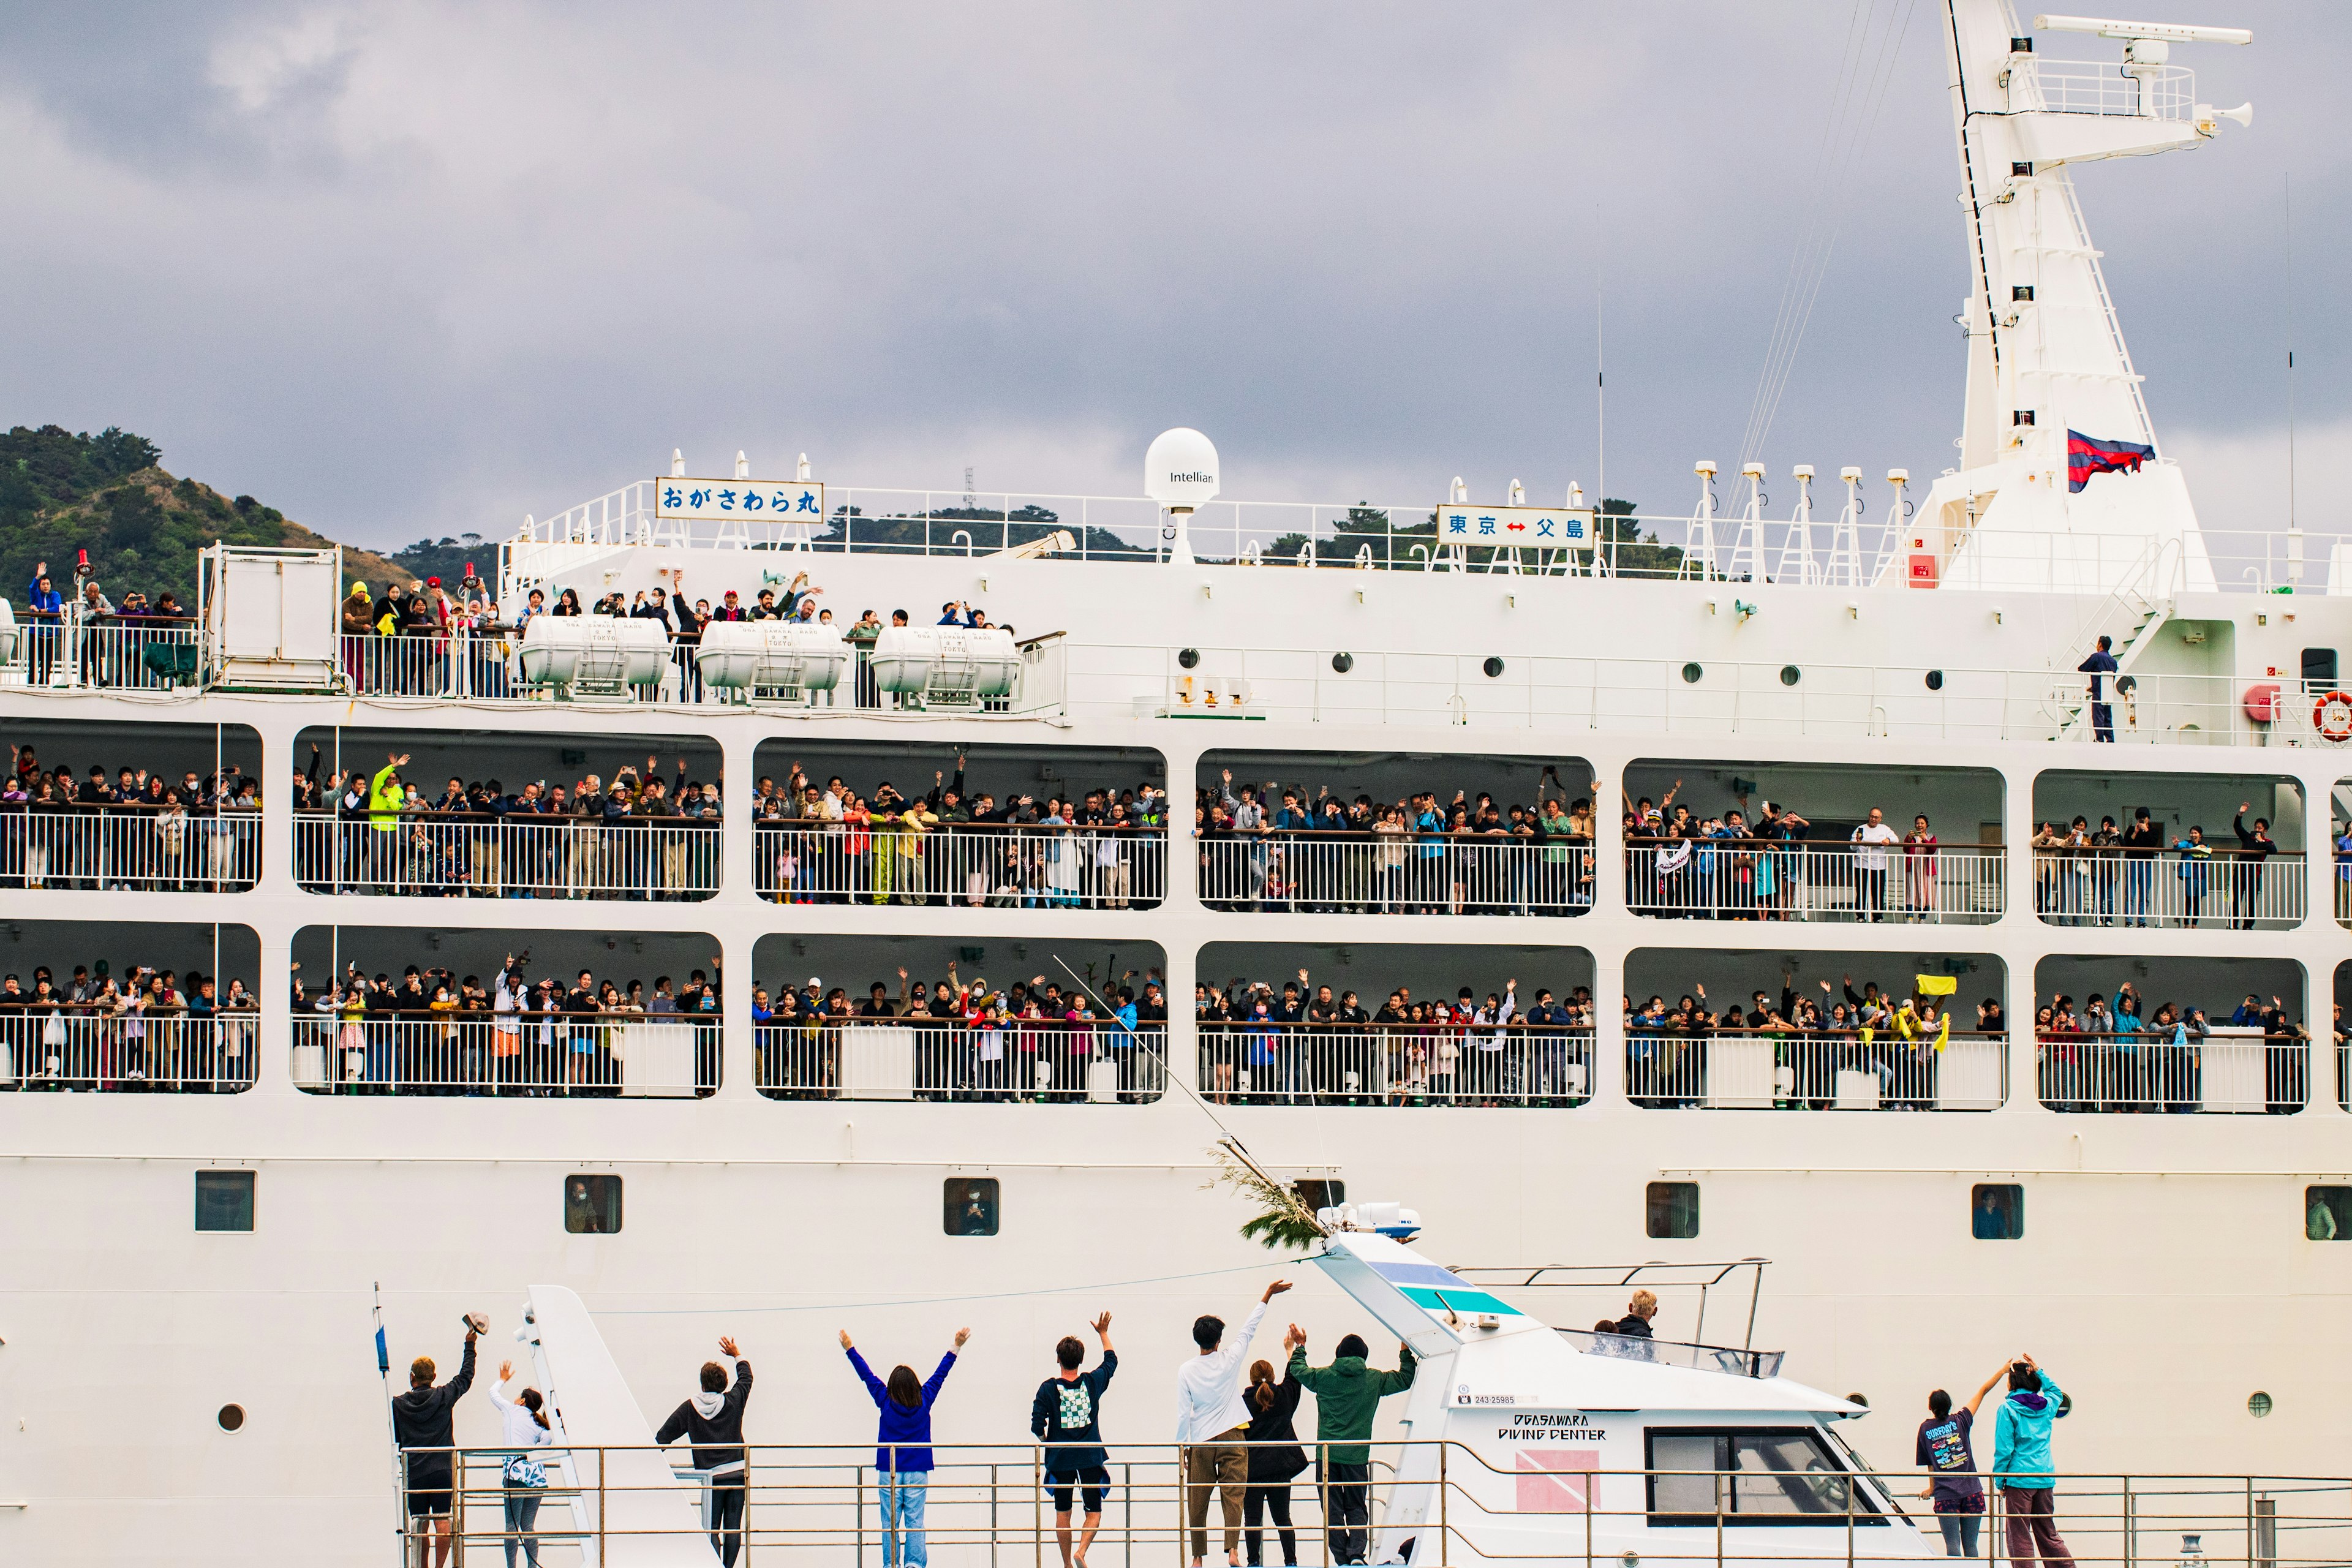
[
  {"x": 1236, "y": 1437},
  {"x": 424, "y": 638},
  {"x": 1032, "y": 1039},
  {"x": 144, "y": 1029},
  {"x": 128, "y": 829},
  {"x": 434, "y": 1032},
  {"x": 1278, "y": 849},
  {"x": 831, "y": 844},
  {"x": 75, "y": 634},
  {"x": 636, "y": 837},
  {"x": 1682, "y": 864},
  {"x": 1307, "y": 1043},
  {"x": 2118, "y": 1053},
  {"x": 2105, "y": 875}
]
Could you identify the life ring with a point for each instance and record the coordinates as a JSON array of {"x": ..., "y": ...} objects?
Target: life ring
[{"x": 2332, "y": 716}]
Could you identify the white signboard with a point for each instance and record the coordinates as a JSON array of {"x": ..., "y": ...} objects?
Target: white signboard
[
  {"x": 1526, "y": 527},
  {"x": 705, "y": 500}
]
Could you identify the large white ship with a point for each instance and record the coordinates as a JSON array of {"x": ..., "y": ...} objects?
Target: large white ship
[{"x": 1894, "y": 683}]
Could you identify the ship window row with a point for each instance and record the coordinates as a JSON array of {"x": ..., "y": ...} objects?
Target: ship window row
[
  {"x": 383, "y": 812},
  {"x": 972, "y": 1207},
  {"x": 388, "y": 1012}
]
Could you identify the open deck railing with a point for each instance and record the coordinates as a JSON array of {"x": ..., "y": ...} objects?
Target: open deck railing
[
  {"x": 134, "y": 848},
  {"x": 1714, "y": 879},
  {"x": 2218, "y": 889},
  {"x": 1264, "y": 1062},
  {"x": 1403, "y": 873},
  {"x": 1793, "y": 1069},
  {"x": 968, "y": 864},
  {"x": 1039, "y": 1061},
  {"x": 1795, "y": 1495},
  {"x": 520, "y": 1056},
  {"x": 109, "y": 1048},
  {"x": 2223, "y": 1071},
  {"x": 434, "y": 854}
]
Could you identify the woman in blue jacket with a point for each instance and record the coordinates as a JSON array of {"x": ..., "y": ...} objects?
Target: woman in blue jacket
[
  {"x": 2022, "y": 1467},
  {"x": 903, "y": 1451}
]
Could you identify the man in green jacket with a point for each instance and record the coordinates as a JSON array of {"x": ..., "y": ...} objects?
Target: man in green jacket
[{"x": 1347, "y": 1397}]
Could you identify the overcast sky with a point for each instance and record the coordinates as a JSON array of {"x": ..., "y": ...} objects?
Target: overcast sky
[{"x": 423, "y": 269}]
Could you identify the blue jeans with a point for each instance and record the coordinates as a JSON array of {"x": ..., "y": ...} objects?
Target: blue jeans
[{"x": 902, "y": 1518}]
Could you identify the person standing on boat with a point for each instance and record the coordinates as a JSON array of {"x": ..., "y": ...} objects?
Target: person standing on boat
[
  {"x": 904, "y": 1455},
  {"x": 1066, "y": 1417},
  {"x": 524, "y": 1476},
  {"x": 423, "y": 1427},
  {"x": 1274, "y": 1456},
  {"x": 2020, "y": 1464},
  {"x": 1212, "y": 1419},
  {"x": 713, "y": 1420},
  {"x": 1347, "y": 1395},
  {"x": 1951, "y": 1465},
  {"x": 2102, "y": 714}
]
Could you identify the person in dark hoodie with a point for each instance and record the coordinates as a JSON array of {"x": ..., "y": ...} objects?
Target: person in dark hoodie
[
  {"x": 713, "y": 1420},
  {"x": 2020, "y": 1464},
  {"x": 1347, "y": 1395},
  {"x": 1274, "y": 1456},
  {"x": 1066, "y": 1417},
  {"x": 903, "y": 1451},
  {"x": 422, "y": 1419}
]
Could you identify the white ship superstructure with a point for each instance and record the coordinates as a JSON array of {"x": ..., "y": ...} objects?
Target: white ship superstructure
[{"x": 2153, "y": 1216}]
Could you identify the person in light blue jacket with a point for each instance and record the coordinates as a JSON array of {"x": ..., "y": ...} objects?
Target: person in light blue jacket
[{"x": 2021, "y": 1468}]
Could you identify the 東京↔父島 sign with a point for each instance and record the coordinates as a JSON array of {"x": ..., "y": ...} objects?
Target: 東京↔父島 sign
[{"x": 1542, "y": 527}]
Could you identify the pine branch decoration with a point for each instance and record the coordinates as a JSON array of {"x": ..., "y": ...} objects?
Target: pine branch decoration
[{"x": 1284, "y": 1220}]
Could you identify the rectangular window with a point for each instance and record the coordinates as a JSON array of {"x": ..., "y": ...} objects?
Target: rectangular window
[
  {"x": 969, "y": 1206},
  {"x": 2319, "y": 666},
  {"x": 1673, "y": 1210},
  {"x": 591, "y": 1204},
  {"x": 2327, "y": 1214},
  {"x": 1752, "y": 1475},
  {"x": 224, "y": 1200},
  {"x": 1996, "y": 1211},
  {"x": 1326, "y": 1194}
]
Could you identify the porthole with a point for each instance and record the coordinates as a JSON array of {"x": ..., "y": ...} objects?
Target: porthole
[
  {"x": 1343, "y": 662},
  {"x": 2258, "y": 1404},
  {"x": 969, "y": 1206},
  {"x": 232, "y": 1417},
  {"x": 1189, "y": 658},
  {"x": 1791, "y": 675},
  {"x": 1493, "y": 667},
  {"x": 1935, "y": 680},
  {"x": 1691, "y": 672}
]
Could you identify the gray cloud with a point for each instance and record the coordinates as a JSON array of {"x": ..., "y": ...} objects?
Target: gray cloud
[{"x": 427, "y": 268}]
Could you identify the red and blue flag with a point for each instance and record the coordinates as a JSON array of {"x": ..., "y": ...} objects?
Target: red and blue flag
[{"x": 2087, "y": 455}]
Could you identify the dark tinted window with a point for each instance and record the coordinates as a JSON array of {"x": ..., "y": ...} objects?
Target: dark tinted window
[
  {"x": 969, "y": 1206},
  {"x": 1320, "y": 1194},
  {"x": 1996, "y": 1211},
  {"x": 224, "y": 1200},
  {"x": 2327, "y": 1214},
  {"x": 2319, "y": 666},
  {"x": 1673, "y": 1210},
  {"x": 1771, "y": 1476},
  {"x": 591, "y": 1204}
]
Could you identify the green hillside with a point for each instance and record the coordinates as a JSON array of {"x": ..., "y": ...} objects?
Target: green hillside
[{"x": 62, "y": 493}]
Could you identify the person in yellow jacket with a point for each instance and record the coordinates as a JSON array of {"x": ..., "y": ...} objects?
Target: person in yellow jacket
[
  {"x": 385, "y": 795},
  {"x": 914, "y": 823}
]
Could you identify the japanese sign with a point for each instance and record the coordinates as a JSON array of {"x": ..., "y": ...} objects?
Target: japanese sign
[
  {"x": 1536, "y": 527},
  {"x": 702, "y": 501}
]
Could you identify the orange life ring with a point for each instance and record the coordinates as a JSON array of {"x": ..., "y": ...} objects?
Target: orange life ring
[{"x": 2332, "y": 716}]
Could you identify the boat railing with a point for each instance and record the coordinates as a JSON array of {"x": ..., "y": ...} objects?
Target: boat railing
[
  {"x": 1735, "y": 1360},
  {"x": 1320, "y": 871},
  {"x": 2208, "y": 888},
  {"x": 1787, "y": 1492},
  {"x": 1911, "y": 1066},
  {"x": 1760, "y": 879},
  {"x": 116, "y": 1045},
  {"x": 1264, "y": 1061},
  {"x": 985, "y": 1059},
  {"x": 345, "y": 1048},
  {"x": 2107, "y": 87},
  {"x": 437, "y": 854},
  {"x": 971, "y": 865},
  {"x": 2222, "y": 1069},
  {"x": 133, "y": 847}
]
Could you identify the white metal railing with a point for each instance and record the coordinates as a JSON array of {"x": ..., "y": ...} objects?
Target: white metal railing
[
  {"x": 2094, "y": 86},
  {"x": 126, "y": 1049},
  {"x": 2235, "y": 1072},
  {"x": 68, "y": 652},
  {"x": 1316, "y": 872},
  {"x": 2225, "y": 890},
  {"x": 1750, "y": 879},
  {"x": 453, "y": 855},
  {"x": 1034, "y": 1061},
  {"x": 129, "y": 848},
  {"x": 1791, "y": 1070},
  {"x": 518, "y": 1055},
  {"x": 973, "y": 865},
  {"x": 1260, "y": 1062}
]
